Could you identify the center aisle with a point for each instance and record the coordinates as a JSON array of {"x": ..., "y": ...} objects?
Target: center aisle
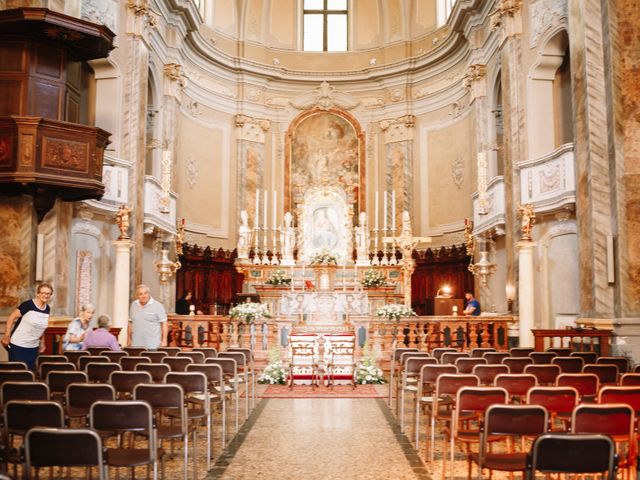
[{"x": 323, "y": 439}]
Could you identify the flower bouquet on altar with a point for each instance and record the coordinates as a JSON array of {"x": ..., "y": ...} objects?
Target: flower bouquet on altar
[
  {"x": 323, "y": 258},
  {"x": 395, "y": 311},
  {"x": 250, "y": 311},
  {"x": 373, "y": 278},
  {"x": 278, "y": 278}
]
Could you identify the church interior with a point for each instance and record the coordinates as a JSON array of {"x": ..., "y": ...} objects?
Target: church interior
[{"x": 375, "y": 226}]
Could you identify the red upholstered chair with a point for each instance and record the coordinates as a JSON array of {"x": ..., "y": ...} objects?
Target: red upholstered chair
[
  {"x": 411, "y": 370},
  {"x": 546, "y": 374},
  {"x": 630, "y": 380},
  {"x": 588, "y": 357},
  {"x": 621, "y": 362},
  {"x": 559, "y": 351},
  {"x": 517, "y": 384},
  {"x": 467, "y": 364},
  {"x": 480, "y": 351},
  {"x": 495, "y": 358},
  {"x": 487, "y": 373},
  {"x": 520, "y": 351},
  {"x": 559, "y": 402},
  {"x": 569, "y": 364},
  {"x": 517, "y": 364},
  {"x": 587, "y": 384},
  {"x": 627, "y": 395},
  {"x": 393, "y": 366},
  {"x": 607, "y": 373},
  {"x": 542, "y": 358}
]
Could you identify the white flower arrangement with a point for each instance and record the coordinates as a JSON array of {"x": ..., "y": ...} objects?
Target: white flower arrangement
[
  {"x": 395, "y": 311},
  {"x": 274, "y": 374},
  {"x": 278, "y": 278},
  {"x": 373, "y": 278},
  {"x": 323, "y": 258},
  {"x": 250, "y": 311},
  {"x": 368, "y": 372}
]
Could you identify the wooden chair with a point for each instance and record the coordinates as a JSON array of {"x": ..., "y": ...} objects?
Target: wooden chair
[
  {"x": 177, "y": 364},
  {"x": 16, "y": 376},
  {"x": 249, "y": 364},
  {"x": 517, "y": 384},
  {"x": 156, "y": 370},
  {"x": 621, "y": 362},
  {"x": 304, "y": 359},
  {"x": 438, "y": 352},
  {"x": 74, "y": 355},
  {"x": 495, "y": 358},
  {"x": 129, "y": 362},
  {"x": 135, "y": 350},
  {"x": 587, "y": 384},
  {"x": 209, "y": 352},
  {"x": 100, "y": 372},
  {"x": 412, "y": 368},
  {"x": 630, "y": 380},
  {"x": 230, "y": 384},
  {"x": 520, "y": 351},
  {"x": 559, "y": 351},
  {"x": 545, "y": 374},
  {"x": 217, "y": 392},
  {"x": 97, "y": 351},
  {"x": 47, "y": 367},
  {"x": 125, "y": 382},
  {"x": 50, "y": 359},
  {"x": 155, "y": 356},
  {"x": 542, "y": 358},
  {"x": 569, "y": 364},
  {"x": 467, "y": 364},
  {"x": 58, "y": 382},
  {"x": 84, "y": 361},
  {"x": 478, "y": 352},
  {"x": 341, "y": 359},
  {"x": 451, "y": 357},
  {"x": 13, "y": 366},
  {"x": 242, "y": 375},
  {"x": 393, "y": 363},
  {"x": 627, "y": 395},
  {"x": 517, "y": 364},
  {"x": 80, "y": 397},
  {"x": 170, "y": 351},
  {"x": 607, "y": 373},
  {"x": 587, "y": 357},
  {"x": 487, "y": 373},
  {"x": 113, "y": 355},
  {"x": 559, "y": 402}
]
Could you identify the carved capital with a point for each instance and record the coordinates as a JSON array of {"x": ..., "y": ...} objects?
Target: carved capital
[
  {"x": 507, "y": 18},
  {"x": 175, "y": 79},
  {"x": 398, "y": 129},
  {"x": 252, "y": 129},
  {"x": 140, "y": 17},
  {"x": 325, "y": 97},
  {"x": 475, "y": 80}
]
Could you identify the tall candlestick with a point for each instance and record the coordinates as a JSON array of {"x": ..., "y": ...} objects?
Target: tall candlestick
[
  {"x": 384, "y": 211},
  {"x": 264, "y": 220},
  {"x": 256, "y": 221},
  {"x": 344, "y": 276},
  {"x": 303, "y": 285},
  {"x": 275, "y": 208},
  {"x": 291, "y": 276},
  {"x": 393, "y": 211},
  {"x": 377, "y": 211}
]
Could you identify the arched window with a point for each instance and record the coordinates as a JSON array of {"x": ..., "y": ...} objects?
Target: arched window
[
  {"x": 152, "y": 157},
  {"x": 325, "y": 25},
  {"x": 443, "y": 11},
  {"x": 562, "y": 103},
  {"x": 497, "y": 131}
]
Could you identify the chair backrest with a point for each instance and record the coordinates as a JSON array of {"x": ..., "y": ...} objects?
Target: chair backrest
[
  {"x": 523, "y": 420},
  {"x": 156, "y": 370},
  {"x": 451, "y": 357},
  {"x": 121, "y": 416},
  {"x": 397, "y": 353},
  {"x": 197, "y": 357},
  {"x": 84, "y": 361},
  {"x": 135, "y": 350},
  {"x": 487, "y": 373},
  {"x": 569, "y": 364},
  {"x": 636, "y": 368},
  {"x": 559, "y": 351},
  {"x": 114, "y": 355},
  {"x": 607, "y": 373},
  {"x": 191, "y": 382},
  {"x": 545, "y": 374},
  {"x": 554, "y": 399},
  {"x": 129, "y": 362},
  {"x": 517, "y": 364},
  {"x": 83, "y": 395},
  {"x": 413, "y": 365},
  {"x": 495, "y": 358},
  {"x": 630, "y": 380},
  {"x": 517, "y": 384},
  {"x": 621, "y": 362},
  {"x": 580, "y": 454},
  {"x": 16, "y": 376},
  {"x": 165, "y": 395},
  {"x": 125, "y": 382},
  {"x": 177, "y": 364},
  {"x": 58, "y": 381},
  {"x": 100, "y": 372},
  {"x": 47, "y": 367},
  {"x": 213, "y": 372},
  {"x": 588, "y": 357},
  {"x": 429, "y": 373},
  {"x": 587, "y": 384},
  {"x": 74, "y": 355},
  {"x": 23, "y": 391},
  {"x": 542, "y": 358},
  {"x": 228, "y": 365},
  {"x": 13, "y": 366},
  {"x": 50, "y": 359},
  {"x": 22, "y": 415},
  {"x": 170, "y": 351},
  {"x": 97, "y": 351},
  {"x": 467, "y": 364},
  {"x": 304, "y": 349},
  {"x": 616, "y": 419},
  {"x": 478, "y": 352},
  {"x": 211, "y": 352},
  {"x": 479, "y": 399},
  {"x": 439, "y": 351},
  {"x": 155, "y": 356},
  {"x": 448, "y": 384},
  {"x": 77, "y": 447},
  {"x": 626, "y": 395},
  {"x": 520, "y": 351}
]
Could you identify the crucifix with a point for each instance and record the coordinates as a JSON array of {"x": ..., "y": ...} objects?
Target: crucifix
[{"x": 406, "y": 242}]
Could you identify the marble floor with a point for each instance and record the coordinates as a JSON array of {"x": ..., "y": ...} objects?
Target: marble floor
[{"x": 326, "y": 439}]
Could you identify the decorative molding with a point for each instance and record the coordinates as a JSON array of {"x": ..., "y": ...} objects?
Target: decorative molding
[
  {"x": 104, "y": 12},
  {"x": 398, "y": 129},
  {"x": 475, "y": 80},
  {"x": 192, "y": 171},
  {"x": 252, "y": 129},
  {"x": 507, "y": 18},
  {"x": 545, "y": 15},
  {"x": 457, "y": 172},
  {"x": 493, "y": 217},
  {"x": 84, "y": 267},
  {"x": 116, "y": 184},
  {"x": 325, "y": 97},
  {"x": 175, "y": 80},
  {"x": 482, "y": 183}
]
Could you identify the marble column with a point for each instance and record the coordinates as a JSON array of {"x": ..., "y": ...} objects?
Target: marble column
[
  {"x": 526, "y": 291},
  {"x": 121, "y": 288}
]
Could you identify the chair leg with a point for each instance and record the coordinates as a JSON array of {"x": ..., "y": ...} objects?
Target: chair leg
[
  {"x": 195, "y": 454},
  {"x": 186, "y": 456}
]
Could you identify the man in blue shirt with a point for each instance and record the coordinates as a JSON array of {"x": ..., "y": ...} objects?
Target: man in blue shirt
[{"x": 472, "y": 308}]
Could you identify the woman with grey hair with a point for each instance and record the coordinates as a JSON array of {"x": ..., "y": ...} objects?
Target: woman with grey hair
[
  {"x": 78, "y": 328},
  {"x": 101, "y": 336}
]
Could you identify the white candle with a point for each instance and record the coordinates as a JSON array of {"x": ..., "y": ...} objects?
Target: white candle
[
  {"x": 355, "y": 275},
  {"x": 303, "y": 285},
  {"x": 377, "y": 211},
  {"x": 384, "y": 211},
  {"x": 256, "y": 222},
  {"x": 275, "y": 207},
  {"x": 344, "y": 276},
  {"x": 291, "y": 276},
  {"x": 264, "y": 220},
  {"x": 393, "y": 210}
]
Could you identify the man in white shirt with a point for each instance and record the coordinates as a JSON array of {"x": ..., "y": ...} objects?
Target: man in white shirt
[{"x": 147, "y": 321}]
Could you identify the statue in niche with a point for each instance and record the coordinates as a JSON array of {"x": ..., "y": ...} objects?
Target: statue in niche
[
  {"x": 325, "y": 230},
  {"x": 362, "y": 239},
  {"x": 122, "y": 220},
  {"x": 244, "y": 235},
  {"x": 287, "y": 240},
  {"x": 528, "y": 219}
]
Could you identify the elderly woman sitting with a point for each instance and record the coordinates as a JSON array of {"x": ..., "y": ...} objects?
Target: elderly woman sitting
[{"x": 101, "y": 337}]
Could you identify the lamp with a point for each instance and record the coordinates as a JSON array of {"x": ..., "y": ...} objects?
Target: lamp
[
  {"x": 510, "y": 293},
  {"x": 444, "y": 292},
  {"x": 483, "y": 268},
  {"x": 165, "y": 267}
]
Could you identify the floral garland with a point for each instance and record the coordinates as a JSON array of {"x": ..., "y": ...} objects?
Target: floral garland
[
  {"x": 323, "y": 258},
  {"x": 278, "y": 278},
  {"x": 395, "y": 311},
  {"x": 373, "y": 278},
  {"x": 250, "y": 311}
]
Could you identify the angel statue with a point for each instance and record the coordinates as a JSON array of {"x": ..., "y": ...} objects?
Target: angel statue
[
  {"x": 244, "y": 235},
  {"x": 122, "y": 220},
  {"x": 527, "y": 221},
  {"x": 362, "y": 240},
  {"x": 287, "y": 240}
]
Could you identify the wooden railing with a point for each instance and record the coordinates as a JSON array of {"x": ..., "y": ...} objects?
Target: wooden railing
[
  {"x": 381, "y": 336},
  {"x": 578, "y": 339}
]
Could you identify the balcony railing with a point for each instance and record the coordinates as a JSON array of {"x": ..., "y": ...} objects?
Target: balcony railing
[
  {"x": 494, "y": 207},
  {"x": 548, "y": 182},
  {"x": 157, "y": 212}
]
